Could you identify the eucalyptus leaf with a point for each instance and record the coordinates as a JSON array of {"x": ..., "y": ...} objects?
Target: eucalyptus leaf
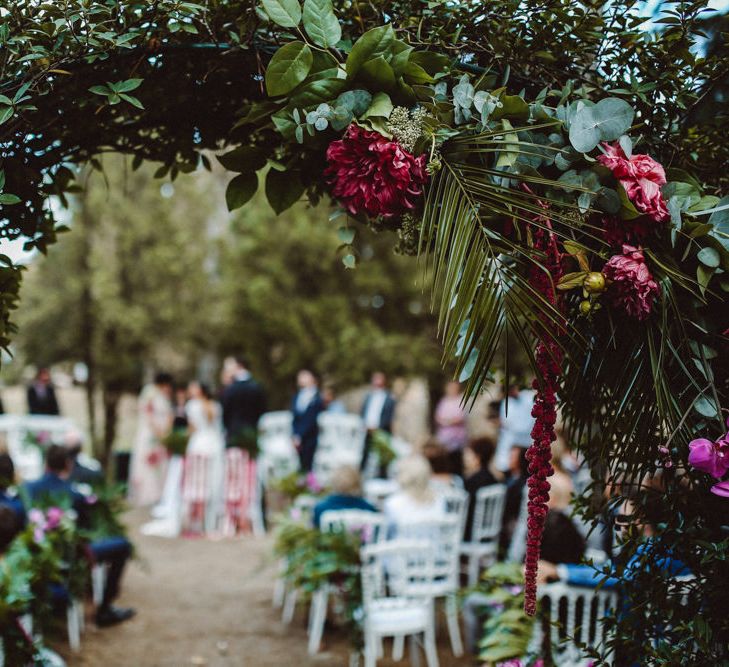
[
  {"x": 356, "y": 101},
  {"x": 709, "y": 257},
  {"x": 606, "y": 121}
]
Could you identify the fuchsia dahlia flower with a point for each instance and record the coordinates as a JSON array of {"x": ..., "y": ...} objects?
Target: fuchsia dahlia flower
[
  {"x": 633, "y": 286},
  {"x": 374, "y": 175},
  {"x": 642, "y": 178}
]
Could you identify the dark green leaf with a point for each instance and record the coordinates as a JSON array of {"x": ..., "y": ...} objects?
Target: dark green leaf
[
  {"x": 286, "y": 13},
  {"x": 320, "y": 23},
  {"x": 283, "y": 189},
  {"x": 240, "y": 190},
  {"x": 373, "y": 43},
  {"x": 288, "y": 68}
]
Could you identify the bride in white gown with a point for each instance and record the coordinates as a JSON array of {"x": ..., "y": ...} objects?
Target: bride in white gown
[{"x": 204, "y": 417}]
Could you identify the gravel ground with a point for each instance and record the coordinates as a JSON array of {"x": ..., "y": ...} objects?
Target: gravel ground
[{"x": 207, "y": 602}]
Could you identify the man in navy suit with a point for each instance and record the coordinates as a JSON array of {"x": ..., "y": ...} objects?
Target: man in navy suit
[
  {"x": 243, "y": 402},
  {"x": 54, "y": 488},
  {"x": 378, "y": 410},
  {"x": 306, "y": 407},
  {"x": 7, "y": 500}
]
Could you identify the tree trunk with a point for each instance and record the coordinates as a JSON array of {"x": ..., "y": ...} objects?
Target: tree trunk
[{"x": 112, "y": 397}]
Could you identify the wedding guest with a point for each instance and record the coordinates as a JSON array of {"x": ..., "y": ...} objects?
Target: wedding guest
[
  {"x": 516, "y": 423},
  {"x": 440, "y": 465},
  {"x": 306, "y": 406},
  {"x": 7, "y": 480},
  {"x": 562, "y": 542},
  {"x": 42, "y": 395},
  {"x": 243, "y": 401},
  {"x": 149, "y": 455},
  {"x": 416, "y": 500},
  {"x": 80, "y": 473},
  {"x": 515, "y": 493},
  {"x": 346, "y": 494},
  {"x": 331, "y": 403},
  {"x": 450, "y": 421},
  {"x": 9, "y": 527},
  {"x": 179, "y": 414},
  {"x": 54, "y": 487},
  {"x": 477, "y": 458},
  {"x": 378, "y": 410}
]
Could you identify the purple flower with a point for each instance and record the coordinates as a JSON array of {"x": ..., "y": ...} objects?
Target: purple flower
[
  {"x": 721, "y": 489},
  {"x": 710, "y": 457},
  {"x": 38, "y": 534},
  {"x": 92, "y": 499},
  {"x": 37, "y": 517},
  {"x": 54, "y": 516},
  {"x": 312, "y": 484}
]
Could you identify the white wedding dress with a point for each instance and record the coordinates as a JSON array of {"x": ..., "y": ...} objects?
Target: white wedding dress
[{"x": 207, "y": 440}]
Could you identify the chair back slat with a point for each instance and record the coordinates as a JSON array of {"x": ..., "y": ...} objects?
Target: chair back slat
[
  {"x": 488, "y": 513},
  {"x": 371, "y": 526}
]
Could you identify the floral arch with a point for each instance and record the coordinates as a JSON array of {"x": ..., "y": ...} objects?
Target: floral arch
[{"x": 558, "y": 198}]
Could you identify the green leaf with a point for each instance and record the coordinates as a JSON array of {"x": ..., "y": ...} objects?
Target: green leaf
[
  {"x": 284, "y": 123},
  {"x": 703, "y": 276},
  {"x": 432, "y": 63},
  {"x": 372, "y": 44},
  {"x": 100, "y": 90},
  {"x": 132, "y": 100},
  {"x": 380, "y": 107},
  {"x": 316, "y": 92},
  {"x": 286, "y": 13},
  {"x": 288, "y": 68},
  {"x": 127, "y": 86},
  {"x": 706, "y": 407},
  {"x": 346, "y": 234},
  {"x": 283, "y": 189},
  {"x": 241, "y": 189},
  {"x": 355, "y": 101},
  {"x": 5, "y": 114},
  {"x": 243, "y": 159},
  {"x": 398, "y": 56},
  {"x": 378, "y": 74},
  {"x": 605, "y": 121},
  {"x": 709, "y": 257},
  {"x": 414, "y": 73},
  {"x": 8, "y": 199},
  {"x": 321, "y": 23}
]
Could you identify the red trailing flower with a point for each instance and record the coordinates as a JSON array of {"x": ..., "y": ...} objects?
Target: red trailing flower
[
  {"x": 548, "y": 358},
  {"x": 642, "y": 178},
  {"x": 374, "y": 175},
  {"x": 633, "y": 286},
  {"x": 617, "y": 231}
]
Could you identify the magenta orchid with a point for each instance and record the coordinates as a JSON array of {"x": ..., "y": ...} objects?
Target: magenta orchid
[{"x": 710, "y": 457}]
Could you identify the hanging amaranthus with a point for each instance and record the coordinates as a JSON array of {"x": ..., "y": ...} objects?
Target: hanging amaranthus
[{"x": 548, "y": 358}]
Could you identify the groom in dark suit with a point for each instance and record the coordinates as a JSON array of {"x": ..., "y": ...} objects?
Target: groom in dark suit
[
  {"x": 378, "y": 410},
  {"x": 306, "y": 407},
  {"x": 243, "y": 401}
]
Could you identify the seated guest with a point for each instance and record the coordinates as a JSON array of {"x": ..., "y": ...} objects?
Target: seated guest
[
  {"x": 54, "y": 487},
  {"x": 9, "y": 526},
  {"x": 7, "y": 479},
  {"x": 346, "y": 494},
  {"x": 477, "y": 459},
  {"x": 562, "y": 542},
  {"x": 416, "y": 500},
  {"x": 80, "y": 474},
  {"x": 516, "y": 485},
  {"x": 441, "y": 465}
]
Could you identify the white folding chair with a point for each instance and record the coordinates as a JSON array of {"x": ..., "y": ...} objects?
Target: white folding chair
[
  {"x": 488, "y": 512},
  {"x": 394, "y": 574},
  {"x": 444, "y": 537},
  {"x": 372, "y": 528},
  {"x": 572, "y": 612},
  {"x": 456, "y": 503},
  {"x": 340, "y": 442},
  {"x": 277, "y": 456},
  {"x": 377, "y": 489}
]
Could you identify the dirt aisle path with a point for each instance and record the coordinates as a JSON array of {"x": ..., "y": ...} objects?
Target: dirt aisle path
[{"x": 203, "y": 602}]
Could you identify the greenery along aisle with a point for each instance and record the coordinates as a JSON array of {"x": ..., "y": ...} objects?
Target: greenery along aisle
[{"x": 559, "y": 166}]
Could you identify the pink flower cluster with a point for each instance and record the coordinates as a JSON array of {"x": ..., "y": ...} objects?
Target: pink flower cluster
[
  {"x": 44, "y": 522},
  {"x": 712, "y": 458},
  {"x": 371, "y": 174},
  {"x": 642, "y": 178},
  {"x": 633, "y": 286}
]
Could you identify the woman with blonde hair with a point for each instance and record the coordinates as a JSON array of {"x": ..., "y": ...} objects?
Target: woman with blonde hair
[{"x": 416, "y": 500}]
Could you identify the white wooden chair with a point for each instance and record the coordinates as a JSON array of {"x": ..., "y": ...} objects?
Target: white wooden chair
[
  {"x": 377, "y": 489},
  {"x": 372, "y": 527},
  {"x": 488, "y": 512},
  {"x": 341, "y": 442},
  {"x": 572, "y": 612},
  {"x": 277, "y": 456},
  {"x": 456, "y": 503},
  {"x": 444, "y": 537},
  {"x": 399, "y": 609}
]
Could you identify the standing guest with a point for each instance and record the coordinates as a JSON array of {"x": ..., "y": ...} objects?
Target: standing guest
[
  {"x": 243, "y": 401},
  {"x": 516, "y": 422},
  {"x": 179, "y": 414},
  {"x": 331, "y": 403},
  {"x": 450, "y": 421},
  {"x": 149, "y": 455},
  {"x": 306, "y": 406},
  {"x": 7, "y": 479},
  {"x": 378, "y": 410},
  {"x": 346, "y": 494},
  {"x": 42, "y": 395},
  {"x": 54, "y": 487},
  {"x": 477, "y": 459}
]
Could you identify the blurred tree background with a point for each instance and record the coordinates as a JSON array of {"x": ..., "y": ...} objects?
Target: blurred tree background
[{"x": 159, "y": 276}]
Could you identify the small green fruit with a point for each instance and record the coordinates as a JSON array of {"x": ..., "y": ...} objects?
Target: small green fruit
[
  {"x": 585, "y": 307},
  {"x": 594, "y": 282}
]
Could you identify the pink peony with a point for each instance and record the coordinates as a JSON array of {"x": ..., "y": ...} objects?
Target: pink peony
[
  {"x": 721, "y": 489},
  {"x": 642, "y": 178},
  {"x": 633, "y": 286},
  {"x": 54, "y": 516},
  {"x": 711, "y": 457},
  {"x": 374, "y": 175}
]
